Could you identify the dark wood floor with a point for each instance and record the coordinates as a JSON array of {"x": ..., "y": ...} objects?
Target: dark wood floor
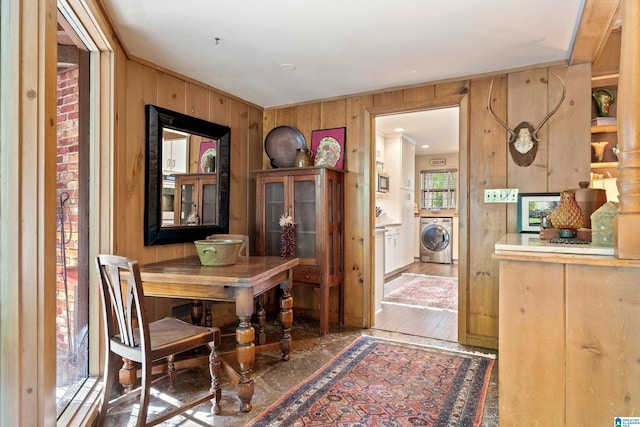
[{"x": 423, "y": 322}]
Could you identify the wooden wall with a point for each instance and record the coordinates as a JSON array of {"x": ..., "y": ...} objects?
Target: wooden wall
[
  {"x": 562, "y": 160},
  {"x": 139, "y": 84}
]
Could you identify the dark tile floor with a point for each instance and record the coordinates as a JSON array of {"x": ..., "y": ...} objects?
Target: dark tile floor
[{"x": 273, "y": 377}]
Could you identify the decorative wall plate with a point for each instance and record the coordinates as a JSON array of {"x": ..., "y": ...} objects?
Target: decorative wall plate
[
  {"x": 328, "y": 152},
  {"x": 328, "y": 147},
  {"x": 203, "y": 158},
  {"x": 281, "y": 145}
]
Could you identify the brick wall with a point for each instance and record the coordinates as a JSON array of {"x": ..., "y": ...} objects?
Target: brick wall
[{"x": 67, "y": 188}]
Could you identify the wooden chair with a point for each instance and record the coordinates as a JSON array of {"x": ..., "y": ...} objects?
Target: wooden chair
[
  {"x": 130, "y": 337},
  {"x": 244, "y": 249}
]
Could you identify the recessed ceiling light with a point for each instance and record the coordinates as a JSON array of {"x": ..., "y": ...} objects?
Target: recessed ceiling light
[
  {"x": 287, "y": 67},
  {"x": 425, "y": 146},
  {"x": 398, "y": 130}
]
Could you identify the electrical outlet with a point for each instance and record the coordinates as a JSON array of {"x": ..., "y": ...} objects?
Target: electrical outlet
[{"x": 501, "y": 195}]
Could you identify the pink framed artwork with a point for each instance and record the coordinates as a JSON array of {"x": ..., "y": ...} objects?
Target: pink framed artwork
[{"x": 327, "y": 147}]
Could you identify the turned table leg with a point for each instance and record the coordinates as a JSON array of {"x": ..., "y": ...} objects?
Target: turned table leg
[
  {"x": 245, "y": 347},
  {"x": 286, "y": 320},
  {"x": 245, "y": 352},
  {"x": 262, "y": 320},
  {"x": 196, "y": 312}
]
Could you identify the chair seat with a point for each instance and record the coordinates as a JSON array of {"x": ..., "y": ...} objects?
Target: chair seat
[
  {"x": 168, "y": 336},
  {"x": 170, "y": 332}
]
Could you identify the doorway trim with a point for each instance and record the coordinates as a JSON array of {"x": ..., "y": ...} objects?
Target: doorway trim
[{"x": 461, "y": 100}]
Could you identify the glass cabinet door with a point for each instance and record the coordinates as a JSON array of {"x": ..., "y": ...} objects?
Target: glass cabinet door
[
  {"x": 305, "y": 217},
  {"x": 209, "y": 202},
  {"x": 274, "y": 208},
  {"x": 188, "y": 210}
]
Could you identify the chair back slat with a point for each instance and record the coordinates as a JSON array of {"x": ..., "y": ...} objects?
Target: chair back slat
[{"x": 122, "y": 300}]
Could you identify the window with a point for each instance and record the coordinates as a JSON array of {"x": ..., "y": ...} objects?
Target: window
[
  {"x": 83, "y": 184},
  {"x": 72, "y": 182},
  {"x": 438, "y": 189}
]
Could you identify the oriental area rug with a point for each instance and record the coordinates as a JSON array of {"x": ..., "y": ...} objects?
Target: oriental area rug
[
  {"x": 423, "y": 291},
  {"x": 376, "y": 382}
]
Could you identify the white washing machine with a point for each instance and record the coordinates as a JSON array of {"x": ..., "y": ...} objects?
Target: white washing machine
[{"x": 436, "y": 239}]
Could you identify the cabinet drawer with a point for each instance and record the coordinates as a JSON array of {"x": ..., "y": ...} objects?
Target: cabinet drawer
[{"x": 307, "y": 274}]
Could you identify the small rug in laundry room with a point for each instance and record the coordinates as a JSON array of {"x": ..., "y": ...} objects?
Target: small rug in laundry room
[
  {"x": 421, "y": 290},
  {"x": 378, "y": 382}
]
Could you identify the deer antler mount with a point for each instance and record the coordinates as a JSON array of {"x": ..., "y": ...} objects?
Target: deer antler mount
[{"x": 523, "y": 139}]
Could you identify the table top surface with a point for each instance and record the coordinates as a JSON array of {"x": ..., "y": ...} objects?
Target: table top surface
[{"x": 246, "y": 272}]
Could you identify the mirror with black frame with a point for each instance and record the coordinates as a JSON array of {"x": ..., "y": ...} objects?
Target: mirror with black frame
[{"x": 187, "y": 177}]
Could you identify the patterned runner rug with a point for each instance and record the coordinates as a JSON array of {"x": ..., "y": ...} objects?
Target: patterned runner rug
[
  {"x": 375, "y": 382},
  {"x": 423, "y": 291}
]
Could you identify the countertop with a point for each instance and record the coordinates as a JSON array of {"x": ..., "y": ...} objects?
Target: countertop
[
  {"x": 531, "y": 243},
  {"x": 379, "y": 230},
  {"x": 437, "y": 213}
]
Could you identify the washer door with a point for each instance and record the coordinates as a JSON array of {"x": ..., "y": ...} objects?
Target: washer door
[{"x": 435, "y": 238}]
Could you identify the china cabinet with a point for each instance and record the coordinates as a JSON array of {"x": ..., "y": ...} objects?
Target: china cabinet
[
  {"x": 314, "y": 198},
  {"x": 196, "y": 199}
]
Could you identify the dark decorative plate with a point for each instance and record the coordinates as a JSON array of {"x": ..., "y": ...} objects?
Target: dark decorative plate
[{"x": 281, "y": 144}]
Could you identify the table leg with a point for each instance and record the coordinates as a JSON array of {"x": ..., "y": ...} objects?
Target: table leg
[
  {"x": 286, "y": 320},
  {"x": 262, "y": 320},
  {"x": 245, "y": 352},
  {"x": 196, "y": 312},
  {"x": 207, "y": 315}
]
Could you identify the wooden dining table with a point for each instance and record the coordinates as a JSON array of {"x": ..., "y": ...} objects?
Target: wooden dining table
[{"x": 241, "y": 282}]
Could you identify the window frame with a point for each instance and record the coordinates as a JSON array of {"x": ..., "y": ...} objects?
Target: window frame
[
  {"x": 449, "y": 194},
  {"x": 84, "y": 407}
]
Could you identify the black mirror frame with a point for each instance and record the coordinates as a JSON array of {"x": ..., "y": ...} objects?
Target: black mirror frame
[{"x": 158, "y": 118}]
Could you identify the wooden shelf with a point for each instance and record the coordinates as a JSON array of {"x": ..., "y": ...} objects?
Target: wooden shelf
[
  {"x": 604, "y": 165},
  {"x": 604, "y": 80},
  {"x": 604, "y": 129}
]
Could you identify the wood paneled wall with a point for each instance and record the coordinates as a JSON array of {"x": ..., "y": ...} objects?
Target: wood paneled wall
[
  {"x": 562, "y": 160},
  {"x": 140, "y": 84}
]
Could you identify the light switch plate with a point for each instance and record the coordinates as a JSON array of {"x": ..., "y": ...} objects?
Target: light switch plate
[{"x": 501, "y": 195}]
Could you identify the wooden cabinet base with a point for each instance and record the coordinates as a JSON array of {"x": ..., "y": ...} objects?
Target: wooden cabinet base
[{"x": 569, "y": 340}]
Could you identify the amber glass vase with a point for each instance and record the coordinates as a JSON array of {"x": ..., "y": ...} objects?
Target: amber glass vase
[{"x": 567, "y": 216}]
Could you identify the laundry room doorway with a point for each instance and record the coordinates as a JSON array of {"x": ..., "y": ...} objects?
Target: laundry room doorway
[{"x": 418, "y": 152}]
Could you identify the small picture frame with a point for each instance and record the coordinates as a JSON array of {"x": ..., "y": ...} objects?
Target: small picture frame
[
  {"x": 532, "y": 207},
  {"x": 327, "y": 147}
]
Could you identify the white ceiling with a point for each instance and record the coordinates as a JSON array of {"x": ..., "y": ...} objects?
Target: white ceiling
[{"x": 341, "y": 47}]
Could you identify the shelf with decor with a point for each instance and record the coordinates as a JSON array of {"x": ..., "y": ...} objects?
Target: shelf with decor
[{"x": 604, "y": 128}]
